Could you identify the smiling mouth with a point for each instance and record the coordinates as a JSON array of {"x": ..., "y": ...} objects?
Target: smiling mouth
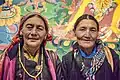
[
  {"x": 87, "y": 40},
  {"x": 33, "y": 38}
]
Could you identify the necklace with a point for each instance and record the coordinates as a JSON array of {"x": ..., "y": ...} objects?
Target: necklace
[
  {"x": 29, "y": 56},
  {"x": 38, "y": 67}
]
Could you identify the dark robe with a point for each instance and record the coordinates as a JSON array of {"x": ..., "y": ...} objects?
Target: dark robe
[
  {"x": 10, "y": 67},
  {"x": 72, "y": 71},
  {"x": 2, "y": 2},
  {"x": 30, "y": 67}
]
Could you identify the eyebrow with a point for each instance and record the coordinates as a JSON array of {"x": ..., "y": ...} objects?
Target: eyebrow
[
  {"x": 29, "y": 24},
  {"x": 41, "y": 26},
  {"x": 37, "y": 25},
  {"x": 93, "y": 28},
  {"x": 82, "y": 27}
]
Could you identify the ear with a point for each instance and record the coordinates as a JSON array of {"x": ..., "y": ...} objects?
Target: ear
[
  {"x": 45, "y": 37},
  {"x": 98, "y": 36},
  {"x": 73, "y": 32}
]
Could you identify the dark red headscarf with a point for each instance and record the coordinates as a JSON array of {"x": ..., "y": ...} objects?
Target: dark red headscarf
[{"x": 16, "y": 38}]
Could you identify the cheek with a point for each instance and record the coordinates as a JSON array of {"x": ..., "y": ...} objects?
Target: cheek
[
  {"x": 94, "y": 35},
  {"x": 42, "y": 34},
  {"x": 79, "y": 34},
  {"x": 26, "y": 34}
]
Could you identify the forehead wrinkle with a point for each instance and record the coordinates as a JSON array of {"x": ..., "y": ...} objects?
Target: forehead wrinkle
[
  {"x": 87, "y": 23},
  {"x": 32, "y": 21}
]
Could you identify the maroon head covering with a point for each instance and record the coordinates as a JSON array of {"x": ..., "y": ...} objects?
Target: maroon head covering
[{"x": 17, "y": 37}]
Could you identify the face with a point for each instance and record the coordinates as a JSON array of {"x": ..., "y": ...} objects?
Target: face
[
  {"x": 33, "y": 32},
  {"x": 86, "y": 33}
]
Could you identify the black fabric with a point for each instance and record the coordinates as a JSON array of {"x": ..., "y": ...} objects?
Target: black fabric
[
  {"x": 2, "y": 2},
  {"x": 30, "y": 66},
  {"x": 72, "y": 71},
  {"x": 57, "y": 65},
  {"x": 13, "y": 52}
]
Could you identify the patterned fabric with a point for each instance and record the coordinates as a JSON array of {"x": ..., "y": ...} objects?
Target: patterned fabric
[
  {"x": 96, "y": 62},
  {"x": 72, "y": 64}
]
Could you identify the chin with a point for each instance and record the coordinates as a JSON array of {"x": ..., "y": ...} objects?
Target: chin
[
  {"x": 87, "y": 46},
  {"x": 33, "y": 44}
]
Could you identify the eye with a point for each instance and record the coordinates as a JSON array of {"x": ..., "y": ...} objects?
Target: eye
[
  {"x": 40, "y": 28},
  {"x": 82, "y": 29},
  {"x": 93, "y": 29},
  {"x": 29, "y": 26}
]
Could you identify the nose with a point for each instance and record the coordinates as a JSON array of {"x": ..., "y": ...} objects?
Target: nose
[
  {"x": 33, "y": 32},
  {"x": 87, "y": 33}
]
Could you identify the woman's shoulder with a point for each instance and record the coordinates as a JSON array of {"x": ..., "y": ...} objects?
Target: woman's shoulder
[
  {"x": 114, "y": 54},
  {"x": 68, "y": 56},
  {"x": 51, "y": 53},
  {"x": 2, "y": 55}
]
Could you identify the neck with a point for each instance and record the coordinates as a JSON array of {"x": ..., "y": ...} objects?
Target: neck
[
  {"x": 88, "y": 51},
  {"x": 31, "y": 50}
]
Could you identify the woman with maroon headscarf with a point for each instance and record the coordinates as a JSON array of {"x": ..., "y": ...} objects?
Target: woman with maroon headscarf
[{"x": 26, "y": 58}]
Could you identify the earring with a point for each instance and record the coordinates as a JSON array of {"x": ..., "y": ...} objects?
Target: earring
[{"x": 21, "y": 36}]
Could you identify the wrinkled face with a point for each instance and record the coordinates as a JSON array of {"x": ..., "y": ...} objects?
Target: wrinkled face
[
  {"x": 33, "y": 32},
  {"x": 86, "y": 33}
]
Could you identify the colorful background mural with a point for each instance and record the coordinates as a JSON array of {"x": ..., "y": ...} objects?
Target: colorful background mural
[{"x": 61, "y": 15}]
